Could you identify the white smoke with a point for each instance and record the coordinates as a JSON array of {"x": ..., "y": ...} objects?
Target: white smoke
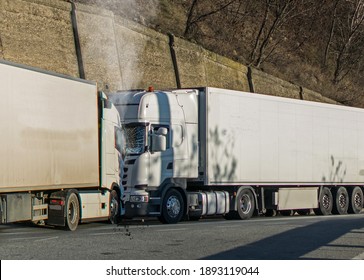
[
  {"x": 130, "y": 45},
  {"x": 143, "y": 11}
]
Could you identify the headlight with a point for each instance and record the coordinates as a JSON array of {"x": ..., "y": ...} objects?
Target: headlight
[{"x": 139, "y": 198}]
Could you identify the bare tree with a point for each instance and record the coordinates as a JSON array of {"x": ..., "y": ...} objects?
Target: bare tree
[
  {"x": 331, "y": 33},
  {"x": 200, "y": 10},
  {"x": 276, "y": 14},
  {"x": 350, "y": 32}
]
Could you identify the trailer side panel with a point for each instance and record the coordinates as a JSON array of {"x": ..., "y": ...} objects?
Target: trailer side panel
[
  {"x": 264, "y": 140},
  {"x": 49, "y": 131}
]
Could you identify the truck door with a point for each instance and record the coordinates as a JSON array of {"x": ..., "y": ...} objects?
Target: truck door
[{"x": 161, "y": 162}]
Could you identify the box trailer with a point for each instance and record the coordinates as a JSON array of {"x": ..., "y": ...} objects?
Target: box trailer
[
  {"x": 59, "y": 162},
  {"x": 208, "y": 151}
]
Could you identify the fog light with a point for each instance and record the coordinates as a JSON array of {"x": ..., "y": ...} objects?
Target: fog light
[{"x": 139, "y": 198}]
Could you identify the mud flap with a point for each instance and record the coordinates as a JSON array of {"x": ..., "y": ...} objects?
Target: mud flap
[{"x": 56, "y": 209}]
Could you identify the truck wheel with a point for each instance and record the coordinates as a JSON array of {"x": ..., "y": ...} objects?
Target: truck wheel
[
  {"x": 245, "y": 204},
  {"x": 325, "y": 202},
  {"x": 73, "y": 211},
  {"x": 341, "y": 201},
  {"x": 114, "y": 205},
  {"x": 172, "y": 207},
  {"x": 356, "y": 200}
]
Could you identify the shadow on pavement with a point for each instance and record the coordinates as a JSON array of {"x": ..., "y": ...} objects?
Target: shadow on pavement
[{"x": 296, "y": 243}]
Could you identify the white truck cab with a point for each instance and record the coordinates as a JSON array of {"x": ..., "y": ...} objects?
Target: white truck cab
[{"x": 161, "y": 149}]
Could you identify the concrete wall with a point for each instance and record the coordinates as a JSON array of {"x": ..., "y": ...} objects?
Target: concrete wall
[
  {"x": 119, "y": 54},
  {"x": 199, "y": 67},
  {"x": 267, "y": 84},
  {"x": 144, "y": 56},
  {"x": 96, "y": 29},
  {"x": 38, "y": 33}
]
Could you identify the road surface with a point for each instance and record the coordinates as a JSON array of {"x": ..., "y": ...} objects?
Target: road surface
[{"x": 261, "y": 238}]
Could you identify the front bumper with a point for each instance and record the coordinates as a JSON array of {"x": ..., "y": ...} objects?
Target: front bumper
[
  {"x": 135, "y": 209},
  {"x": 140, "y": 209}
]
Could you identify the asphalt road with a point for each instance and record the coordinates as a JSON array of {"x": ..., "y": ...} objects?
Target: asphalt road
[{"x": 261, "y": 238}]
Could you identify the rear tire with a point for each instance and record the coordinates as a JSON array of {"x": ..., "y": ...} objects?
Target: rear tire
[
  {"x": 356, "y": 200},
  {"x": 325, "y": 202},
  {"x": 172, "y": 207},
  {"x": 341, "y": 201},
  {"x": 245, "y": 204},
  {"x": 73, "y": 211}
]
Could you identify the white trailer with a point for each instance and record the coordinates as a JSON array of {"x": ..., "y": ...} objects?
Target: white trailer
[
  {"x": 209, "y": 151},
  {"x": 58, "y": 161}
]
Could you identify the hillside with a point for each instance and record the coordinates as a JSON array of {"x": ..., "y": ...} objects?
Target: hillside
[{"x": 315, "y": 44}]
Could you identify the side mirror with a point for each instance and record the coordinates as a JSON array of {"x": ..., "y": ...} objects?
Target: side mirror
[
  {"x": 162, "y": 131},
  {"x": 159, "y": 140}
]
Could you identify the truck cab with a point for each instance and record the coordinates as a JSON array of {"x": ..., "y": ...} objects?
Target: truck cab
[{"x": 159, "y": 150}]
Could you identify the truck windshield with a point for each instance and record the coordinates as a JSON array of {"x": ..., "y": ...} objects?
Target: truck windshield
[{"x": 134, "y": 139}]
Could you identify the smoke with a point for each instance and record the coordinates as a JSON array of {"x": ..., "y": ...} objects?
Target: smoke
[
  {"x": 142, "y": 11},
  {"x": 132, "y": 46},
  {"x": 121, "y": 68}
]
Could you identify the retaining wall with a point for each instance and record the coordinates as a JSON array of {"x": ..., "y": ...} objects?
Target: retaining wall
[{"x": 120, "y": 54}]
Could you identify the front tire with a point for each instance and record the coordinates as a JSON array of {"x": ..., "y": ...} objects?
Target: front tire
[
  {"x": 172, "y": 207},
  {"x": 114, "y": 205}
]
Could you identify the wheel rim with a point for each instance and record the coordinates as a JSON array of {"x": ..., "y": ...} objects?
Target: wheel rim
[
  {"x": 326, "y": 201},
  {"x": 113, "y": 207},
  {"x": 245, "y": 204},
  {"x": 358, "y": 200},
  {"x": 173, "y": 206},
  {"x": 342, "y": 201},
  {"x": 72, "y": 212}
]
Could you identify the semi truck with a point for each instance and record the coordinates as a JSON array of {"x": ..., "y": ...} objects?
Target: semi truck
[
  {"x": 194, "y": 152},
  {"x": 59, "y": 158}
]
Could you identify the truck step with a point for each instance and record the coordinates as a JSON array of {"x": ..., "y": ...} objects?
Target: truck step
[
  {"x": 40, "y": 212},
  {"x": 40, "y": 207}
]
